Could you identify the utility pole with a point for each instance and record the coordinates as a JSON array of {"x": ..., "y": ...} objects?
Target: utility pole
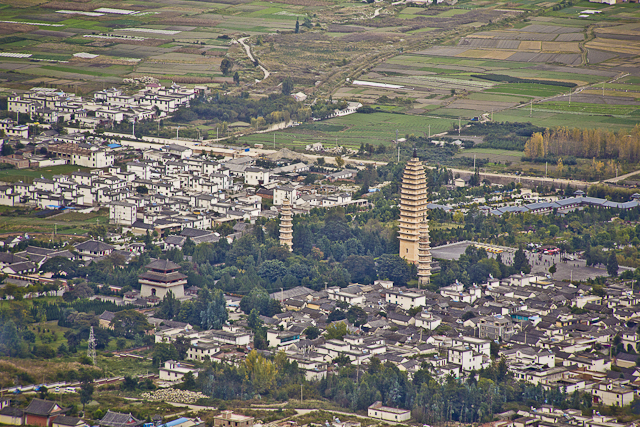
[
  {"x": 274, "y": 140},
  {"x": 459, "y": 121},
  {"x": 91, "y": 350},
  {"x": 531, "y": 108},
  {"x": 177, "y": 132},
  {"x": 546, "y": 169},
  {"x": 398, "y": 154},
  {"x": 429, "y": 131}
]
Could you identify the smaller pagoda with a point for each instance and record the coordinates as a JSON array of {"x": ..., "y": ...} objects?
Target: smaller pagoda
[
  {"x": 286, "y": 225},
  {"x": 424, "y": 254}
]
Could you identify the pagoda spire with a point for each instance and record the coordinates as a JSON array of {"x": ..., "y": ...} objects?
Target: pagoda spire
[
  {"x": 413, "y": 208},
  {"x": 286, "y": 225}
]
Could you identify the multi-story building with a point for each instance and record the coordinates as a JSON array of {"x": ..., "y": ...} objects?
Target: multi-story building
[
  {"x": 122, "y": 213},
  {"x": 495, "y": 328},
  {"x": 86, "y": 155},
  {"x": 406, "y": 300}
]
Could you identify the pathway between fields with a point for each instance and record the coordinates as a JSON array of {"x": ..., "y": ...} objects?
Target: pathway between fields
[{"x": 247, "y": 49}]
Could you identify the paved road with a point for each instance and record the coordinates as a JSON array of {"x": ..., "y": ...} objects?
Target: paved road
[
  {"x": 247, "y": 49},
  {"x": 623, "y": 177}
]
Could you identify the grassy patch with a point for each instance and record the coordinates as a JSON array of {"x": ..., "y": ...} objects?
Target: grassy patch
[
  {"x": 548, "y": 118},
  {"x": 587, "y": 108},
  {"x": 527, "y": 89},
  {"x": 27, "y": 175}
]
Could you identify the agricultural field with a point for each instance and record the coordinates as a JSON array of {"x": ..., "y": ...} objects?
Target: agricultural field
[
  {"x": 68, "y": 223},
  {"x": 351, "y": 131},
  {"x": 439, "y": 63}
]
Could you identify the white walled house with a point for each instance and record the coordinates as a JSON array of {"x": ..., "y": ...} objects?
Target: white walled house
[
  {"x": 256, "y": 176},
  {"x": 468, "y": 359},
  {"x": 175, "y": 371},
  {"x": 387, "y": 413},
  {"x": 428, "y": 320},
  {"x": 93, "y": 249},
  {"x": 612, "y": 394},
  {"x": 406, "y": 300},
  {"x": 285, "y": 192},
  {"x": 476, "y": 344}
]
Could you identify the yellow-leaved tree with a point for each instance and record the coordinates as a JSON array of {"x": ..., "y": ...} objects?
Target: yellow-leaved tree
[
  {"x": 260, "y": 372},
  {"x": 535, "y": 146},
  {"x": 559, "y": 167}
]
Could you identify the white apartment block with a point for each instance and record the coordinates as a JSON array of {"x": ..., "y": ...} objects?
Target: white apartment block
[{"x": 122, "y": 213}]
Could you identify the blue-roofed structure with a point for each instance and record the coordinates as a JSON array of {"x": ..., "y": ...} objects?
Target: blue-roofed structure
[
  {"x": 566, "y": 205},
  {"x": 184, "y": 422}
]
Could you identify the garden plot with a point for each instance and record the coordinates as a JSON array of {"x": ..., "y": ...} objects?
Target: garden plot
[
  {"x": 515, "y": 35},
  {"x": 560, "y": 47},
  {"x": 178, "y": 68},
  {"x": 596, "y": 56},
  {"x": 185, "y": 58},
  {"x": 570, "y": 37},
  {"x": 441, "y": 82},
  {"x": 629, "y": 47},
  {"x": 470, "y": 104},
  {"x": 134, "y": 51},
  {"x": 487, "y": 54},
  {"x": 537, "y": 28},
  {"x": 605, "y": 100},
  {"x": 489, "y": 43},
  {"x": 49, "y": 33},
  {"x": 530, "y": 45}
]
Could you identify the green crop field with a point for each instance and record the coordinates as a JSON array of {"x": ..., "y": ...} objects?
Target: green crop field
[
  {"x": 528, "y": 89},
  {"x": 552, "y": 119},
  {"x": 353, "y": 130},
  {"x": 495, "y": 151},
  {"x": 27, "y": 175},
  {"x": 587, "y": 108}
]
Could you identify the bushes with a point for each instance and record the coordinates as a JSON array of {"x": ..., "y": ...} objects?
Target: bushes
[{"x": 504, "y": 136}]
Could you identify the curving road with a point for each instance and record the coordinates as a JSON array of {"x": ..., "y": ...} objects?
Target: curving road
[{"x": 247, "y": 49}]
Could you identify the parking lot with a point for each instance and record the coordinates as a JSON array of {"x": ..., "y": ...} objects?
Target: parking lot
[{"x": 576, "y": 269}]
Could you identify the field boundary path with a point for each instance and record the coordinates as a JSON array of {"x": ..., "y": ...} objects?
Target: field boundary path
[{"x": 247, "y": 49}]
